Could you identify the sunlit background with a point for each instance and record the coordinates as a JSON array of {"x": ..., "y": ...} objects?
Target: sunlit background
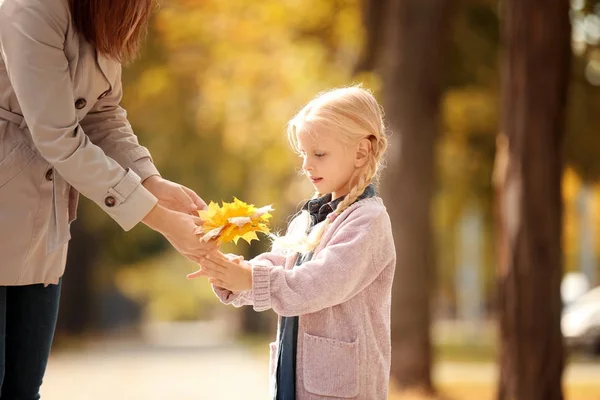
[{"x": 210, "y": 97}]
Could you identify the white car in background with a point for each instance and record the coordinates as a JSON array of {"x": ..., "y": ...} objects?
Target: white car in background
[{"x": 580, "y": 322}]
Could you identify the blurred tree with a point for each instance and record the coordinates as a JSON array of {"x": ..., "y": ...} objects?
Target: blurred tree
[
  {"x": 218, "y": 80},
  {"x": 528, "y": 178},
  {"x": 406, "y": 40},
  {"x": 582, "y": 145},
  {"x": 253, "y": 66},
  {"x": 465, "y": 153},
  {"x": 210, "y": 97}
]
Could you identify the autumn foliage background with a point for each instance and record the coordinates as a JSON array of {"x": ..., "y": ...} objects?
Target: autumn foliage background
[
  {"x": 210, "y": 97},
  {"x": 218, "y": 80}
]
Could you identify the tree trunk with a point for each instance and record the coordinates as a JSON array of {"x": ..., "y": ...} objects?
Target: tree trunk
[
  {"x": 411, "y": 36},
  {"x": 536, "y": 73}
]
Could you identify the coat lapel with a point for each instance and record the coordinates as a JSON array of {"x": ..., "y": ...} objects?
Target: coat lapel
[{"x": 107, "y": 66}]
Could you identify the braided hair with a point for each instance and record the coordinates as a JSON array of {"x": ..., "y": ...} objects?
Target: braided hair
[{"x": 353, "y": 114}]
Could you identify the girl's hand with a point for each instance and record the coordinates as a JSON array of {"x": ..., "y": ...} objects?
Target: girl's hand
[{"x": 232, "y": 274}]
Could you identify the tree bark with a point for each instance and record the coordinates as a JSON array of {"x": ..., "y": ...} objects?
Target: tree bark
[
  {"x": 410, "y": 59},
  {"x": 535, "y": 82}
]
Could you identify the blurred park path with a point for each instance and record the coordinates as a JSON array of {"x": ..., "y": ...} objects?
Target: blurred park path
[
  {"x": 149, "y": 373},
  {"x": 182, "y": 361},
  {"x": 130, "y": 372},
  {"x": 448, "y": 372},
  {"x": 203, "y": 361}
]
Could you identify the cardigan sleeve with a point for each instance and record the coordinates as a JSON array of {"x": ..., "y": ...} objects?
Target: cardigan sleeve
[
  {"x": 351, "y": 260},
  {"x": 239, "y": 299},
  {"x": 276, "y": 256}
]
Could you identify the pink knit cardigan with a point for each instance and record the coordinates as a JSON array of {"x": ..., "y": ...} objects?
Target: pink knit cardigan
[{"x": 342, "y": 297}]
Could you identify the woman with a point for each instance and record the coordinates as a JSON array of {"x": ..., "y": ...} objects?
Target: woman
[{"x": 62, "y": 132}]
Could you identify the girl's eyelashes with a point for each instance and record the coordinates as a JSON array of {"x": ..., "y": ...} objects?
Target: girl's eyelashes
[{"x": 316, "y": 154}]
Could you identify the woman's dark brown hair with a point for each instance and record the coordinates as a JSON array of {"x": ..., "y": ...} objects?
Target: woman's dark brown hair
[{"x": 115, "y": 27}]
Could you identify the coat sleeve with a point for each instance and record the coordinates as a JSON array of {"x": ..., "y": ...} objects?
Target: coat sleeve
[
  {"x": 107, "y": 127},
  {"x": 351, "y": 260},
  {"x": 239, "y": 299},
  {"x": 32, "y": 38}
]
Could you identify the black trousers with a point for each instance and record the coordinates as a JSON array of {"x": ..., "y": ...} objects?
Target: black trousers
[{"x": 27, "y": 321}]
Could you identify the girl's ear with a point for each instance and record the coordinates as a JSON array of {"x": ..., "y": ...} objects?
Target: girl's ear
[{"x": 363, "y": 149}]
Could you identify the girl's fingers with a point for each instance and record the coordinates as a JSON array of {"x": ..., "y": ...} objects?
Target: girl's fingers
[
  {"x": 195, "y": 258},
  {"x": 217, "y": 282},
  {"x": 216, "y": 263},
  {"x": 211, "y": 268},
  {"x": 234, "y": 258},
  {"x": 197, "y": 274},
  {"x": 230, "y": 258},
  {"x": 218, "y": 255},
  {"x": 221, "y": 261}
]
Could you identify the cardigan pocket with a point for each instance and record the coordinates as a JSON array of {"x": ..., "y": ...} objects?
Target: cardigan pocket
[{"x": 330, "y": 367}]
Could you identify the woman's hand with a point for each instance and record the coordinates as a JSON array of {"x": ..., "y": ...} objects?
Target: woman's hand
[
  {"x": 174, "y": 196},
  {"x": 178, "y": 228},
  {"x": 230, "y": 273}
]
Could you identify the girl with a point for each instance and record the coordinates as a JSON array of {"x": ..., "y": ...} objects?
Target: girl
[{"x": 330, "y": 277}]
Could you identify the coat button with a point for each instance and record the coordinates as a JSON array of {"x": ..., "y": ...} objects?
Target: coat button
[
  {"x": 80, "y": 103},
  {"x": 109, "y": 201},
  {"x": 49, "y": 174}
]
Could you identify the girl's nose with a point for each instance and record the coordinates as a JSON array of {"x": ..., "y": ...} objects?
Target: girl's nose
[{"x": 306, "y": 166}]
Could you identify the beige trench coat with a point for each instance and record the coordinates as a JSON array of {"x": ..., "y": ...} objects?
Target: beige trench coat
[{"x": 62, "y": 132}]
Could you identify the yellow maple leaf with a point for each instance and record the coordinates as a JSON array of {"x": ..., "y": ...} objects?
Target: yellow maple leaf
[{"x": 233, "y": 221}]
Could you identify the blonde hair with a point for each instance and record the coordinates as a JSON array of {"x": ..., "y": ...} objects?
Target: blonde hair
[{"x": 351, "y": 114}]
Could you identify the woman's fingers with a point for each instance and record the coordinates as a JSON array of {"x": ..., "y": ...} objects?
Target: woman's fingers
[
  {"x": 200, "y": 204},
  {"x": 185, "y": 200},
  {"x": 207, "y": 247},
  {"x": 202, "y": 248},
  {"x": 198, "y": 221},
  {"x": 176, "y": 199}
]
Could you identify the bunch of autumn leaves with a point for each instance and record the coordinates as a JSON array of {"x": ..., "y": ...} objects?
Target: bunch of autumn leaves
[{"x": 233, "y": 221}]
